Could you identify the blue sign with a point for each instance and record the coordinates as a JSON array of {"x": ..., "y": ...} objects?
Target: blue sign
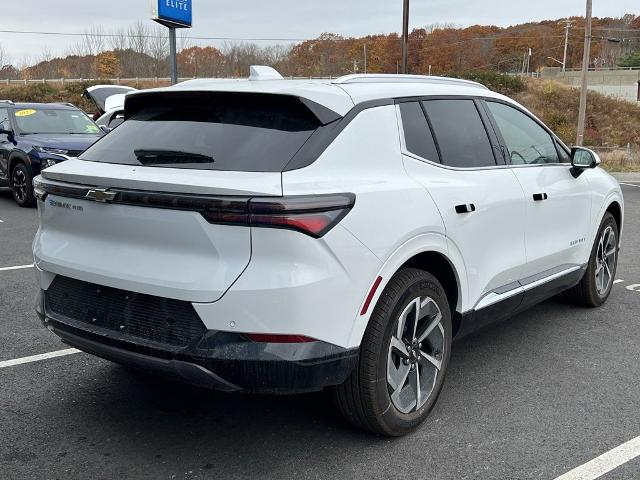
[{"x": 173, "y": 13}]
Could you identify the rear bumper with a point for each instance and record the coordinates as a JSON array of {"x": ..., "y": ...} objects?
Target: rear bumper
[{"x": 218, "y": 360}]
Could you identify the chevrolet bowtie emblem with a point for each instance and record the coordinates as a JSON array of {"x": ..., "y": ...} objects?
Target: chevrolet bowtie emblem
[{"x": 100, "y": 195}]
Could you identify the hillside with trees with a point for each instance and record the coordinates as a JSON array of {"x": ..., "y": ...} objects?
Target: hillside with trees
[{"x": 141, "y": 51}]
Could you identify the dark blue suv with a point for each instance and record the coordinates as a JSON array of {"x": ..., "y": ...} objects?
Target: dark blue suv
[{"x": 35, "y": 136}]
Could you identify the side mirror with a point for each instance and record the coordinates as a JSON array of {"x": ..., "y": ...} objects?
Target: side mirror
[
  {"x": 4, "y": 131},
  {"x": 583, "y": 158},
  {"x": 105, "y": 129}
]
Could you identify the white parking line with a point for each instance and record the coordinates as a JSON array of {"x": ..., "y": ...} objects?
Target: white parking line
[
  {"x": 617, "y": 281},
  {"x": 630, "y": 184},
  {"x": 605, "y": 463},
  {"x": 37, "y": 358},
  {"x": 19, "y": 267}
]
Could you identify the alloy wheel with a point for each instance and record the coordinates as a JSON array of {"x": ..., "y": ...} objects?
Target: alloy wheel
[
  {"x": 415, "y": 355},
  {"x": 19, "y": 185},
  {"x": 605, "y": 260}
]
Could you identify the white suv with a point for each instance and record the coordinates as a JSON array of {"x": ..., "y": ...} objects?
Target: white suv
[{"x": 284, "y": 236}]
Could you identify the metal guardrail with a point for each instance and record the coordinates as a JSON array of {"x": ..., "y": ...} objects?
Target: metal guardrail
[
  {"x": 602, "y": 69},
  {"x": 628, "y": 155},
  {"x": 115, "y": 81},
  {"x": 127, "y": 81}
]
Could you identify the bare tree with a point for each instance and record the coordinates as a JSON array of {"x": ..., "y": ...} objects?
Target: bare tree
[
  {"x": 138, "y": 40},
  {"x": 138, "y": 43},
  {"x": 159, "y": 50},
  {"x": 118, "y": 39},
  {"x": 93, "y": 40},
  {"x": 184, "y": 41},
  {"x": 4, "y": 59}
]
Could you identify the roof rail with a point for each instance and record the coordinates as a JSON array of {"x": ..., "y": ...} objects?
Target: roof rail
[{"x": 390, "y": 78}]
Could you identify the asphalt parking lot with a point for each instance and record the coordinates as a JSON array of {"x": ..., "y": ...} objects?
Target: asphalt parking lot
[{"x": 534, "y": 397}]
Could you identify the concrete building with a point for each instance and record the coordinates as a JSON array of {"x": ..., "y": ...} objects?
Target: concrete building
[{"x": 620, "y": 83}]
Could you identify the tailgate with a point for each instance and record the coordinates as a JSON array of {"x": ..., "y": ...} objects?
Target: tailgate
[{"x": 158, "y": 251}]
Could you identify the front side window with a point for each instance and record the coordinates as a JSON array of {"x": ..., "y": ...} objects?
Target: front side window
[
  {"x": 32, "y": 121},
  {"x": 527, "y": 142},
  {"x": 460, "y": 133},
  {"x": 417, "y": 134}
]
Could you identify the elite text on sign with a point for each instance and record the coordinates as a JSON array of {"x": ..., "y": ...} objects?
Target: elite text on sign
[{"x": 173, "y": 13}]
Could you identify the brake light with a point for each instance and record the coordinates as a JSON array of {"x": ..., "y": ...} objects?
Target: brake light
[
  {"x": 272, "y": 338},
  {"x": 312, "y": 215}
]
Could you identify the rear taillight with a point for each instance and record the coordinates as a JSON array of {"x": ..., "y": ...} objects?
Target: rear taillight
[
  {"x": 312, "y": 215},
  {"x": 272, "y": 338}
]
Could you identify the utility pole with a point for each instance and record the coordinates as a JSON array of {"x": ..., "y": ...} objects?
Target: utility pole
[
  {"x": 582, "y": 113},
  {"x": 405, "y": 37},
  {"x": 567, "y": 26},
  {"x": 365, "y": 58}
]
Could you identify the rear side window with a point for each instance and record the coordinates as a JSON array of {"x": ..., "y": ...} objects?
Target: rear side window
[
  {"x": 460, "y": 133},
  {"x": 209, "y": 131},
  {"x": 528, "y": 143},
  {"x": 417, "y": 134}
]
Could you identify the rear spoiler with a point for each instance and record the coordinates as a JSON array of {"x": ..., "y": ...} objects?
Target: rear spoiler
[{"x": 134, "y": 102}]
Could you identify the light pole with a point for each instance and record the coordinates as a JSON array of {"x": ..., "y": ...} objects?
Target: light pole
[
  {"x": 582, "y": 113},
  {"x": 405, "y": 37}
]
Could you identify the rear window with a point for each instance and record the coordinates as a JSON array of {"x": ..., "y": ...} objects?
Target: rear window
[{"x": 239, "y": 132}]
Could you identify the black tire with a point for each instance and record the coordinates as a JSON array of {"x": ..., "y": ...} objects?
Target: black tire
[
  {"x": 586, "y": 293},
  {"x": 364, "y": 398},
  {"x": 22, "y": 186}
]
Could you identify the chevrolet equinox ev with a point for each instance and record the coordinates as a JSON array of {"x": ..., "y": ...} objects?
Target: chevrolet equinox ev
[{"x": 284, "y": 236}]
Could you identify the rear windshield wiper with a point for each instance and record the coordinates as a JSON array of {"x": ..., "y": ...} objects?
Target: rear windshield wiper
[{"x": 168, "y": 157}]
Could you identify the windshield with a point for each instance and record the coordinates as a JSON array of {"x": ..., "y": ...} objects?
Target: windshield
[
  {"x": 240, "y": 132},
  {"x": 57, "y": 121}
]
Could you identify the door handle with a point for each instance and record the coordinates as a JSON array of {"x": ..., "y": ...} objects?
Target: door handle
[
  {"x": 538, "y": 197},
  {"x": 465, "y": 208}
]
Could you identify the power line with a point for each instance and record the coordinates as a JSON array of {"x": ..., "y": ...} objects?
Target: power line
[
  {"x": 118, "y": 35},
  {"x": 254, "y": 39}
]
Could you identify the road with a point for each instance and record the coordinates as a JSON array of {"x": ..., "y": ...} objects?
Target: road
[{"x": 530, "y": 398}]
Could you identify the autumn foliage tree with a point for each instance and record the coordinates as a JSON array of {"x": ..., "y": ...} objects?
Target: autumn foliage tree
[
  {"x": 107, "y": 65},
  {"x": 442, "y": 49}
]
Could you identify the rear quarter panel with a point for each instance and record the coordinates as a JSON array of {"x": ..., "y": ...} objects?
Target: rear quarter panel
[{"x": 393, "y": 216}]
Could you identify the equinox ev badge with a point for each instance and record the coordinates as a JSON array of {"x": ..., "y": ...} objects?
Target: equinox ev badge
[
  {"x": 100, "y": 195},
  {"x": 68, "y": 206}
]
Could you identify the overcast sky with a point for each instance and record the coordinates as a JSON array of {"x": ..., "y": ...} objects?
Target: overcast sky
[{"x": 279, "y": 18}]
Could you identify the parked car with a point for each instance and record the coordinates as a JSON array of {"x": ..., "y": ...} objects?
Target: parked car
[
  {"x": 35, "y": 136},
  {"x": 285, "y": 236},
  {"x": 114, "y": 112},
  {"x": 100, "y": 94}
]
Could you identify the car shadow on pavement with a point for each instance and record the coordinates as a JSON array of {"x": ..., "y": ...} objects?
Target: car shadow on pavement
[{"x": 109, "y": 412}]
